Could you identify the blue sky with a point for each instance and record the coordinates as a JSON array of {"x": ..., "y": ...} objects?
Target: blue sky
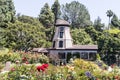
[{"x": 95, "y": 7}]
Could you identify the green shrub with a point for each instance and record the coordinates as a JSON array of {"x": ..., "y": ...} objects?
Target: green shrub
[
  {"x": 9, "y": 56},
  {"x": 36, "y": 58}
]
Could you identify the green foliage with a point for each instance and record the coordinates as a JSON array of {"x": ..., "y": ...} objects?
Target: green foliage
[
  {"x": 2, "y": 40},
  {"x": 98, "y": 57},
  {"x": 21, "y": 72},
  {"x": 114, "y": 31},
  {"x": 81, "y": 37},
  {"x": 49, "y": 33},
  {"x": 98, "y": 25},
  {"x": 37, "y": 58},
  {"x": 77, "y": 14},
  {"x": 30, "y": 20},
  {"x": 7, "y": 12},
  {"x": 93, "y": 33},
  {"x": 46, "y": 17},
  {"x": 109, "y": 13},
  {"x": 24, "y": 36},
  {"x": 108, "y": 45},
  {"x": 115, "y": 22},
  {"x": 9, "y": 56},
  {"x": 56, "y": 10},
  {"x": 109, "y": 41},
  {"x": 74, "y": 71},
  {"x": 1, "y": 66}
]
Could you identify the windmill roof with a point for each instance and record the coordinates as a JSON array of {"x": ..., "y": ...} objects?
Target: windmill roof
[{"x": 61, "y": 22}]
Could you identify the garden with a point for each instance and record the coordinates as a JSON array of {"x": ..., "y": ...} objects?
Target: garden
[{"x": 29, "y": 66}]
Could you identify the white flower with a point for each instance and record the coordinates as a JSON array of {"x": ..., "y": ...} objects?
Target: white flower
[
  {"x": 4, "y": 72},
  {"x": 109, "y": 69}
]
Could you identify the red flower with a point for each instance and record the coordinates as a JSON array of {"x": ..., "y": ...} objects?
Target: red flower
[
  {"x": 17, "y": 62},
  {"x": 45, "y": 65},
  {"x": 24, "y": 59},
  {"x": 12, "y": 69},
  {"x": 27, "y": 62},
  {"x": 116, "y": 77},
  {"x": 40, "y": 68}
]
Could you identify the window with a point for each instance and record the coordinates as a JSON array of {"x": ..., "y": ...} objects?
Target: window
[
  {"x": 92, "y": 56},
  {"x": 61, "y": 55},
  {"x": 60, "y": 44},
  {"x": 61, "y": 32},
  {"x": 53, "y": 44},
  {"x": 61, "y": 29},
  {"x": 84, "y": 55}
]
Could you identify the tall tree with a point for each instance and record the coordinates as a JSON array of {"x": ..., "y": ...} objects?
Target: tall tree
[
  {"x": 24, "y": 36},
  {"x": 115, "y": 21},
  {"x": 56, "y": 10},
  {"x": 46, "y": 16},
  {"x": 109, "y": 14},
  {"x": 98, "y": 25},
  {"x": 77, "y": 14},
  {"x": 7, "y": 12}
]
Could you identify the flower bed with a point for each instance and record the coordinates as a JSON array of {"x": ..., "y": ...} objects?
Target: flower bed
[{"x": 39, "y": 69}]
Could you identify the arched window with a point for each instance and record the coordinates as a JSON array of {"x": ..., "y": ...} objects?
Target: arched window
[
  {"x": 61, "y": 29},
  {"x": 60, "y": 44}
]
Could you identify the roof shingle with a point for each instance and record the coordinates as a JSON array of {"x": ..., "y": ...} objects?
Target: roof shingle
[
  {"x": 61, "y": 22},
  {"x": 84, "y": 47}
]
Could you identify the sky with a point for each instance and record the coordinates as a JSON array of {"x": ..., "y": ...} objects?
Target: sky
[{"x": 95, "y": 7}]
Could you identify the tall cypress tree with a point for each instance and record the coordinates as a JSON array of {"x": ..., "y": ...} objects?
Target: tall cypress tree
[
  {"x": 56, "y": 10},
  {"x": 46, "y": 16},
  {"x": 7, "y": 12}
]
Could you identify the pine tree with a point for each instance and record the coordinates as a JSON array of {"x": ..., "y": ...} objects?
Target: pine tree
[
  {"x": 98, "y": 25},
  {"x": 77, "y": 14},
  {"x": 46, "y": 16},
  {"x": 7, "y": 12},
  {"x": 56, "y": 10}
]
